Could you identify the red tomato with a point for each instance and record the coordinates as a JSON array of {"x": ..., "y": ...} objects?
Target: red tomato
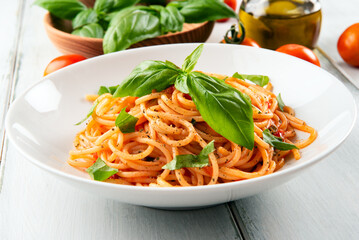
[
  {"x": 232, "y": 4},
  {"x": 348, "y": 45},
  {"x": 300, "y": 51},
  {"x": 250, "y": 42},
  {"x": 61, "y": 62}
]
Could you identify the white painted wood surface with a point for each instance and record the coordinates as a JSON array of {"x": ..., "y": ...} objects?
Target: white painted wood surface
[{"x": 320, "y": 204}]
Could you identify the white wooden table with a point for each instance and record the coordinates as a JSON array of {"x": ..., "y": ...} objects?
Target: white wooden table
[{"x": 322, "y": 203}]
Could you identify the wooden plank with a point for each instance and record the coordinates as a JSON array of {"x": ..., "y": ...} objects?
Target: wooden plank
[
  {"x": 322, "y": 203},
  {"x": 12, "y": 15},
  {"x": 35, "y": 205}
]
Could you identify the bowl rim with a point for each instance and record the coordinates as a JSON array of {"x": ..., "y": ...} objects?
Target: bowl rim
[
  {"x": 50, "y": 27},
  {"x": 231, "y": 185}
]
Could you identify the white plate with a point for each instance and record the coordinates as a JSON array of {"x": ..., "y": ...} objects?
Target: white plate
[{"x": 40, "y": 123}]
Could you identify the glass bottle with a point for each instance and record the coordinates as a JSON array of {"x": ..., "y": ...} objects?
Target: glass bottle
[{"x": 273, "y": 23}]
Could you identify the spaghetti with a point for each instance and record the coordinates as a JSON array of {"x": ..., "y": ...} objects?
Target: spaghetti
[{"x": 170, "y": 125}]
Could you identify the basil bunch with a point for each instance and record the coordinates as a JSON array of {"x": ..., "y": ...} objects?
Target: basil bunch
[
  {"x": 224, "y": 108},
  {"x": 122, "y": 23}
]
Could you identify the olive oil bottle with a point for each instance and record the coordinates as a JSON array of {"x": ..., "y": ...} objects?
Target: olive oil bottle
[{"x": 273, "y": 23}]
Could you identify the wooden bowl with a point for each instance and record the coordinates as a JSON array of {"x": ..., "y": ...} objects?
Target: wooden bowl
[{"x": 59, "y": 32}]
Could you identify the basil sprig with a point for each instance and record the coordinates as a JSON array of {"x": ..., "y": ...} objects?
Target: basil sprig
[
  {"x": 260, "y": 80},
  {"x": 225, "y": 109},
  {"x": 281, "y": 104},
  {"x": 190, "y": 160},
  {"x": 126, "y": 122},
  {"x": 122, "y": 23},
  {"x": 100, "y": 171},
  {"x": 277, "y": 142}
]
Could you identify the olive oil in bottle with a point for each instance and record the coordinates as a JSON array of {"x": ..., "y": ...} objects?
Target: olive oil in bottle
[{"x": 273, "y": 23}]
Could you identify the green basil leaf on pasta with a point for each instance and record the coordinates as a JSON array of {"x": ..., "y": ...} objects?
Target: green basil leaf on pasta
[
  {"x": 191, "y": 61},
  {"x": 260, "y": 80},
  {"x": 131, "y": 26},
  {"x": 65, "y": 9},
  {"x": 181, "y": 83},
  {"x": 225, "y": 109},
  {"x": 84, "y": 17},
  {"x": 92, "y": 30},
  {"x": 126, "y": 122},
  {"x": 277, "y": 142},
  {"x": 190, "y": 160},
  {"x": 100, "y": 171},
  {"x": 280, "y": 102},
  {"x": 148, "y": 76},
  {"x": 104, "y": 90},
  {"x": 94, "y": 105},
  {"x": 197, "y": 11}
]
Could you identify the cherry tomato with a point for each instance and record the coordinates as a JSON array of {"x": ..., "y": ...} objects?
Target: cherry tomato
[
  {"x": 232, "y": 4},
  {"x": 300, "y": 51},
  {"x": 61, "y": 62},
  {"x": 348, "y": 45}
]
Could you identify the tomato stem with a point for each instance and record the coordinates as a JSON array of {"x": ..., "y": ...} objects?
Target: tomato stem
[{"x": 234, "y": 39}]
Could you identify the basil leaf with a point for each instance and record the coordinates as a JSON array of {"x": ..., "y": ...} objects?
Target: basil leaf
[
  {"x": 100, "y": 171},
  {"x": 197, "y": 11},
  {"x": 192, "y": 59},
  {"x": 113, "y": 5},
  {"x": 225, "y": 109},
  {"x": 189, "y": 160},
  {"x": 181, "y": 83},
  {"x": 126, "y": 122},
  {"x": 260, "y": 80},
  {"x": 94, "y": 105},
  {"x": 92, "y": 30},
  {"x": 178, "y": 4},
  {"x": 65, "y": 9},
  {"x": 84, "y": 17},
  {"x": 277, "y": 142},
  {"x": 154, "y": 2},
  {"x": 171, "y": 20},
  {"x": 147, "y": 76},
  {"x": 104, "y": 90},
  {"x": 280, "y": 102},
  {"x": 130, "y": 28}
]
